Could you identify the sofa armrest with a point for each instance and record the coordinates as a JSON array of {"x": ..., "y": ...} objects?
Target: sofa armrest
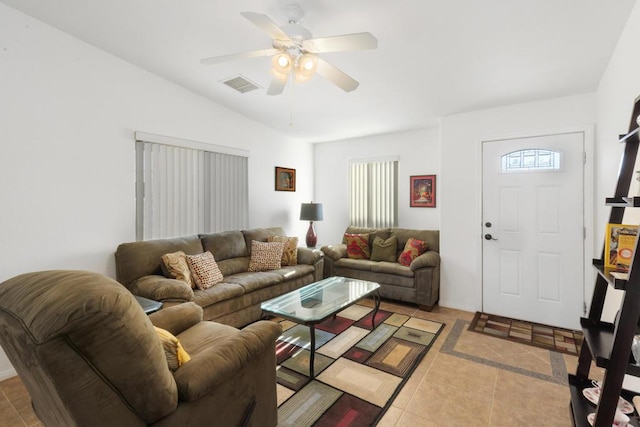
[
  {"x": 222, "y": 361},
  {"x": 427, "y": 259},
  {"x": 160, "y": 288},
  {"x": 335, "y": 252},
  {"x": 177, "y": 318},
  {"x": 309, "y": 256}
]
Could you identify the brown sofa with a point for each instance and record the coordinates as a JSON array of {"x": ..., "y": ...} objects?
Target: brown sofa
[
  {"x": 89, "y": 356},
  {"x": 235, "y": 301},
  {"x": 419, "y": 283}
]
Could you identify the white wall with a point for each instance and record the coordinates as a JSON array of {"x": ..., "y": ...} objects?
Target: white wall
[
  {"x": 619, "y": 87},
  {"x": 419, "y": 154},
  {"x": 68, "y": 112},
  {"x": 460, "y": 186}
]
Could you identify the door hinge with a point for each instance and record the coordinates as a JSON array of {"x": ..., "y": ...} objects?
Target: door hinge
[
  {"x": 584, "y": 233},
  {"x": 584, "y": 157},
  {"x": 584, "y": 308}
]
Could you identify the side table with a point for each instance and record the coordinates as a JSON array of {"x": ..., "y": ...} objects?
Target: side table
[{"x": 148, "y": 305}]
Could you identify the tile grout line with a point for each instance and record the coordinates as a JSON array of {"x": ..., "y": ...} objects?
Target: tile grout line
[{"x": 493, "y": 399}]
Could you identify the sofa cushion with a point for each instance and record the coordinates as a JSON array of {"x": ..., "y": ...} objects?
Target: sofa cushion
[
  {"x": 392, "y": 268},
  {"x": 143, "y": 258},
  {"x": 384, "y": 250},
  {"x": 260, "y": 235},
  {"x": 357, "y": 246},
  {"x": 233, "y": 265},
  {"x": 173, "y": 351},
  {"x": 432, "y": 237},
  {"x": 355, "y": 264},
  {"x": 220, "y": 292},
  {"x": 225, "y": 245},
  {"x": 412, "y": 249},
  {"x": 204, "y": 270},
  {"x": 256, "y": 280},
  {"x": 175, "y": 266},
  {"x": 290, "y": 251}
]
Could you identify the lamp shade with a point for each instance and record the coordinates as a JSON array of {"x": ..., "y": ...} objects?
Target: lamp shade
[{"x": 311, "y": 212}]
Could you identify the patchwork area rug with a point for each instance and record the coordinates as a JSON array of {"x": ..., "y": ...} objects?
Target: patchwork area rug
[
  {"x": 359, "y": 371},
  {"x": 535, "y": 334}
]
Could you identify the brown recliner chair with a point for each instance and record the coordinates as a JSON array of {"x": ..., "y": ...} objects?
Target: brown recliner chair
[{"x": 89, "y": 356}]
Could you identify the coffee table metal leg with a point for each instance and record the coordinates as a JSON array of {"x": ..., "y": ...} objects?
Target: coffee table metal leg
[
  {"x": 376, "y": 298},
  {"x": 312, "y": 331}
]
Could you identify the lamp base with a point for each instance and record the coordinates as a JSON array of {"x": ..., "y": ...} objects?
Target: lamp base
[{"x": 312, "y": 238}]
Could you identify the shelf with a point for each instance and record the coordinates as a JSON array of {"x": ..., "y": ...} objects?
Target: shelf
[
  {"x": 631, "y": 134},
  {"x": 581, "y": 407},
  {"x": 623, "y": 202},
  {"x": 605, "y": 272},
  {"x": 599, "y": 338}
]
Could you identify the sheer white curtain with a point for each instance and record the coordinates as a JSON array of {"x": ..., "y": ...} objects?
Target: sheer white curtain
[
  {"x": 183, "y": 190},
  {"x": 373, "y": 192}
]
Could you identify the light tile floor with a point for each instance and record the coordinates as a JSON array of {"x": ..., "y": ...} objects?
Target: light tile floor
[{"x": 466, "y": 379}]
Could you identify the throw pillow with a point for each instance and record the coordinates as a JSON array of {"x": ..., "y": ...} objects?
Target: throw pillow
[
  {"x": 290, "y": 251},
  {"x": 384, "y": 250},
  {"x": 265, "y": 256},
  {"x": 357, "y": 245},
  {"x": 174, "y": 266},
  {"x": 412, "y": 250},
  {"x": 173, "y": 350},
  {"x": 204, "y": 270}
]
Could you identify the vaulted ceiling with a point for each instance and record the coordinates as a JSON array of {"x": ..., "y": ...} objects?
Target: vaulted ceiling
[{"x": 434, "y": 58}]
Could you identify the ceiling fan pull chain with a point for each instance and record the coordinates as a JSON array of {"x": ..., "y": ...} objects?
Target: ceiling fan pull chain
[{"x": 292, "y": 103}]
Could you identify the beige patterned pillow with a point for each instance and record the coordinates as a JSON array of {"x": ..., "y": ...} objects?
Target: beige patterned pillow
[
  {"x": 204, "y": 270},
  {"x": 174, "y": 265},
  {"x": 265, "y": 256},
  {"x": 290, "y": 251}
]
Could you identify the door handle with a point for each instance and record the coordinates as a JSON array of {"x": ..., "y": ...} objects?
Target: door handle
[{"x": 489, "y": 237}]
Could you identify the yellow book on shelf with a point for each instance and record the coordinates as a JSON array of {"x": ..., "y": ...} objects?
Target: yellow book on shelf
[{"x": 620, "y": 242}]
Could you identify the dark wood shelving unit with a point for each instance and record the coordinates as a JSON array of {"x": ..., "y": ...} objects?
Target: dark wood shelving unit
[
  {"x": 607, "y": 275},
  {"x": 609, "y": 344}
]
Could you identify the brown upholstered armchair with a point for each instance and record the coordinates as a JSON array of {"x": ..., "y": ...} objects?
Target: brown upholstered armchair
[{"x": 89, "y": 356}]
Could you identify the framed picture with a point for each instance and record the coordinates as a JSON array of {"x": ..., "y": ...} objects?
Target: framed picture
[
  {"x": 285, "y": 179},
  {"x": 423, "y": 191}
]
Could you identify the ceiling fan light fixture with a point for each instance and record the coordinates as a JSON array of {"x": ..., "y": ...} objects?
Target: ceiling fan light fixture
[
  {"x": 281, "y": 63},
  {"x": 306, "y": 66}
]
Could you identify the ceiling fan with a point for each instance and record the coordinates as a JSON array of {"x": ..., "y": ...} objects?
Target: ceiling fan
[{"x": 295, "y": 53}]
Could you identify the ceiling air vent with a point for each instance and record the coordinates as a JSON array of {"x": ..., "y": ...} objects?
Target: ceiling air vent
[{"x": 241, "y": 84}]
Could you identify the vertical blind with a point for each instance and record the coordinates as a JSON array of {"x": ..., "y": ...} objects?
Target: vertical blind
[
  {"x": 182, "y": 191},
  {"x": 373, "y": 193}
]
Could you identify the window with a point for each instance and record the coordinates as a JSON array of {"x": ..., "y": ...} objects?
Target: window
[
  {"x": 530, "y": 160},
  {"x": 373, "y": 193},
  {"x": 185, "y": 187}
]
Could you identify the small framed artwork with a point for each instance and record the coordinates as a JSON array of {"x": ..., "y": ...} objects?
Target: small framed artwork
[
  {"x": 285, "y": 179},
  {"x": 423, "y": 191}
]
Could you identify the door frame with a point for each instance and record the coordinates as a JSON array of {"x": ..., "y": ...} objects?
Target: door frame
[{"x": 589, "y": 249}]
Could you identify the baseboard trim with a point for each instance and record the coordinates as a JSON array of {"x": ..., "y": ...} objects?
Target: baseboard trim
[{"x": 9, "y": 373}]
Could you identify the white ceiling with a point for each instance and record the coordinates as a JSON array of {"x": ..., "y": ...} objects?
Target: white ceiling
[{"x": 434, "y": 58}]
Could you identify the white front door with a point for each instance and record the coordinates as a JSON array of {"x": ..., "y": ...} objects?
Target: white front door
[{"x": 533, "y": 228}]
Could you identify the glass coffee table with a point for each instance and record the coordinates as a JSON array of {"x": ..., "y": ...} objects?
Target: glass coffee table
[{"x": 316, "y": 302}]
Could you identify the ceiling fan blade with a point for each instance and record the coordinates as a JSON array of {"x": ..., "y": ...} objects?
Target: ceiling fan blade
[
  {"x": 267, "y": 25},
  {"x": 342, "y": 43},
  {"x": 336, "y": 76},
  {"x": 236, "y": 56},
  {"x": 277, "y": 84}
]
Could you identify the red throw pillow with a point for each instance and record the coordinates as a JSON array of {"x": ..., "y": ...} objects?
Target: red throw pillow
[
  {"x": 412, "y": 250},
  {"x": 357, "y": 245}
]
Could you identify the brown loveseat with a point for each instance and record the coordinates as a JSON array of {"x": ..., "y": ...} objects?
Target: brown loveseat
[
  {"x": 418, "y": 283},
  {"x": 235, "y": 301},
  {"x": 89, "y": 356}
]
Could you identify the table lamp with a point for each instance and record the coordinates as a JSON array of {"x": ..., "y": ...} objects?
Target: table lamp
[{"x": 311, "y": 212}]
